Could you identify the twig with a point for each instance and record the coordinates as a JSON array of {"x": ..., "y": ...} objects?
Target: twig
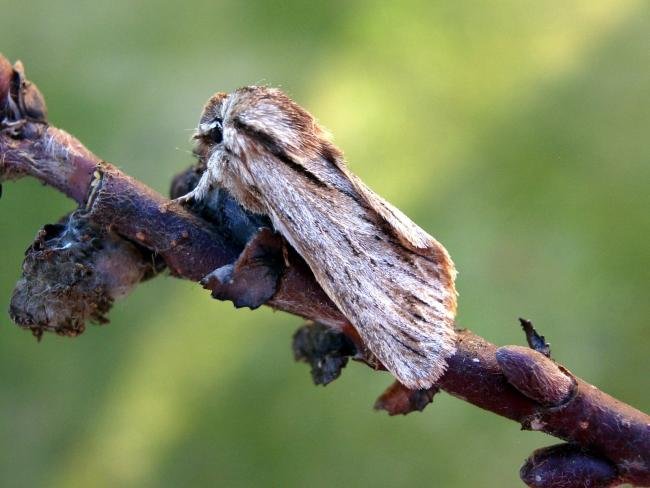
[{"x": 610, "y": 441}]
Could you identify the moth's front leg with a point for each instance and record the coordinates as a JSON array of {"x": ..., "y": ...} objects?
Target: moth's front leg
[
  {"x": 210, "y": 176},
  {"x": 199, "y": 192}
]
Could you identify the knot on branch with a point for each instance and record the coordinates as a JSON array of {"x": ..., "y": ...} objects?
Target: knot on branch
[
  {"x": 20, "y": 99},
  {"x": 534, "y": 375},
  {"x": 72, "y": 273},
  {"x": 6, "y": 72},
  {"x": 567, "y": 466},
  {"x": 324, "y": 349},
  {"x": 399, "y": 400},
  {"x": 252, "y": 280}
]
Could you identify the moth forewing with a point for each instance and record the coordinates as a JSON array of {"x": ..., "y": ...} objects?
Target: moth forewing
[{"x": 401, "y": 302}]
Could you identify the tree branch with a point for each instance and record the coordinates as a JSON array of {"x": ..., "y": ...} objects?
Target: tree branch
[{"x": 609, "y": 440}]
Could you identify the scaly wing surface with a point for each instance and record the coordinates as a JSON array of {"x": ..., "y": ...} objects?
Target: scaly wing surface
[{"x": 392, "y": 280}]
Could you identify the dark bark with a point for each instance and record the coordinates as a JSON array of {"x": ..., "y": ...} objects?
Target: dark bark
[{"x": 609, "y": 440}]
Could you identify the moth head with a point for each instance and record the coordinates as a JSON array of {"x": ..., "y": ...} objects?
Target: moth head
[
  {"x": 209, "y": 132},
  {"x": 256, "y": 118}
]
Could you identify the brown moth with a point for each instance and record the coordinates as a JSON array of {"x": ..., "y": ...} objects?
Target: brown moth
[{"x": 391, "y": 280}]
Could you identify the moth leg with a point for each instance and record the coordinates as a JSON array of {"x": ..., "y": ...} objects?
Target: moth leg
[
  {"x": 199, "y": 192},
  {"x": 253, "y": 279},
  {"x": 210, "y": 177}
]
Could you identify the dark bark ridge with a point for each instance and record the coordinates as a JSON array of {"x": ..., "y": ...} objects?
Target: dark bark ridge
[{"x": 79, "y": 266}]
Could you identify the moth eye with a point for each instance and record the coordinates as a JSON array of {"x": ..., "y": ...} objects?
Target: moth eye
[
  {"x": 215, "y": 134},
  {"x": 210, "y": 132}
]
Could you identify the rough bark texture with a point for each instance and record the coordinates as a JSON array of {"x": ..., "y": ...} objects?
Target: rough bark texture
[{"x": 122, "y": 224}]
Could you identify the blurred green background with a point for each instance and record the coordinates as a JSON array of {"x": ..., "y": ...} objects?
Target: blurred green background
[{"x": 514, "y": 131}]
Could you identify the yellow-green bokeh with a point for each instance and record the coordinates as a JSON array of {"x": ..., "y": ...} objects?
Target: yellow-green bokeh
[{"x": 514, "y": 131}]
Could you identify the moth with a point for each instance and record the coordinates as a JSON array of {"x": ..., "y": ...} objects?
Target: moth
[{"x": 389, "y": 278}]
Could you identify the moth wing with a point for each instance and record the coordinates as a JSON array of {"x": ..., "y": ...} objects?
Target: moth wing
[
  {"x": 394, "y": 282},
  {"x": 409, "y": 233}
]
